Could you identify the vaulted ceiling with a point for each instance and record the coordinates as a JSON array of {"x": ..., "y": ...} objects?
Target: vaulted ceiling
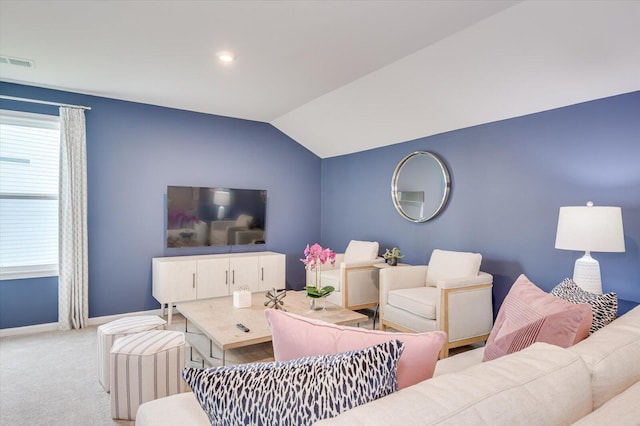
[{"x": 336, "y": 76}]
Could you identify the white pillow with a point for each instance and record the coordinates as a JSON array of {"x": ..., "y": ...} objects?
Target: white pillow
[
  {"x": 244, "y": 220},
  {"x": 452, "y": 264},
  {"x": 361, "y": 251}
]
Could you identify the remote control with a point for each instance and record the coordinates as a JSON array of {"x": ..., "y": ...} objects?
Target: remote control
[{"x": 242, "y": 327}]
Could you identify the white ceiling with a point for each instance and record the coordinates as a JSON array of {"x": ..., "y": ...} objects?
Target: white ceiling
[{"x": 336, "y": 76}]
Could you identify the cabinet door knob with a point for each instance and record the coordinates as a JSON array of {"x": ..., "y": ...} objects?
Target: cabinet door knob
[
  {"x": 194, "y": 280},
  {"x": 262, "y": 272},
  {"x": 226, "y": 277}
]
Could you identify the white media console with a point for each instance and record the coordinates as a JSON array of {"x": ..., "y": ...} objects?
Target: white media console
[{"x": 184, "y": 278}]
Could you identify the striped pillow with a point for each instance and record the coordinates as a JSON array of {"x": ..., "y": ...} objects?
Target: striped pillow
[
  {"x": 529, "y": 314},
  {"x": 604, "y": 306},
  {"x": 297, "y": 392}
]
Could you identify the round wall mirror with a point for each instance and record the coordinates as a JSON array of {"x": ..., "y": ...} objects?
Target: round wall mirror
[{"x": 420, "y": 186}]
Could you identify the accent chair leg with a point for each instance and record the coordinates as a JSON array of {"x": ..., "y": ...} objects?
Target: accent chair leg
[{"x": 444, "y": 352}]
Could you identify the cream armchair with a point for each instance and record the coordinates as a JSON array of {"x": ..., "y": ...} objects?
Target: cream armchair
[
  {"x": 353, "y": 275},
  {"x": 450, "y": 294},
  {"x": 223, "y": 231}
]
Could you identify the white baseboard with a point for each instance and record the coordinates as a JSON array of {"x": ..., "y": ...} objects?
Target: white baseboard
[
  {"x": 53, "y": 326},
  {"x": 109, "y": 318},
  {"x": 29, "y": 329}
]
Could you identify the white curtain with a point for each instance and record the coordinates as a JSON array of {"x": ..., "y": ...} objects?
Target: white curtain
[{"x": 73, "y": 280}]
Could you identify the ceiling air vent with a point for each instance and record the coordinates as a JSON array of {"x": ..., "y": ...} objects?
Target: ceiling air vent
[{"x": 27, "y": 63}]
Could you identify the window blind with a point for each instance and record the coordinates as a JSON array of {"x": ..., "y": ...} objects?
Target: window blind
[{"x": 29, "y": 169}]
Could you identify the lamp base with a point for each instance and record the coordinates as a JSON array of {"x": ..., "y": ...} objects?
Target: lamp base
[{"x": 586, "y": 274}]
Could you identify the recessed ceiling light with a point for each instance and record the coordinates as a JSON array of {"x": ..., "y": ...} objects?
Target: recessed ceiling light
[{"x": 226, "y": 56}]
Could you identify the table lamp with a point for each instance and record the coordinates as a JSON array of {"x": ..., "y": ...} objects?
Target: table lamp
[
  {"x": 222, "y": 199},
  {"x": 590, "y": 228}
]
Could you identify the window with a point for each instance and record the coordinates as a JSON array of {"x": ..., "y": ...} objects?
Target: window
[{"x": 29, "y": 164}]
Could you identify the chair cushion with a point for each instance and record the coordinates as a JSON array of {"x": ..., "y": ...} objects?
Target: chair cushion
[
  {"x": 528, "y": 315},
  {"x": 604, "y": 306},
  {"x": 420, "y": 301},
  {"x": 294, "y": 336},
  {"x": 361, "y": 251},
  {"x": 445, "y": 265},
  {"x": 297, "y": 392}
]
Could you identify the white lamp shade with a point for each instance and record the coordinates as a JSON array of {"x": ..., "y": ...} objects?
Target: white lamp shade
[
  {"x": 590, "y": 228},
  {"x": 221, "y": 198}
]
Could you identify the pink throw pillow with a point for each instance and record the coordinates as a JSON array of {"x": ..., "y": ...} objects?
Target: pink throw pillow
[
  {"x": 295, "y": 336},
  {"x": 529, "y": 314}
]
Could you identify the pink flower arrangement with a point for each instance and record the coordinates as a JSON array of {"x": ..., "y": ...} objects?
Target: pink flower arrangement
[
  {"x": 316, "y": 256},
  {"x": 180, "y": 218}
]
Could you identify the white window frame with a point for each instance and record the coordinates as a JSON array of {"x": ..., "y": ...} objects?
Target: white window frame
[{"x": 41, "y": 121}]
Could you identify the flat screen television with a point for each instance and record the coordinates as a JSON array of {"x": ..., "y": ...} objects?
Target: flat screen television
[{"x": 214, "y": 216}]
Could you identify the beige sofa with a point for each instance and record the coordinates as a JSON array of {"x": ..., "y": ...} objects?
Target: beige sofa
[{"x": 594, "y": 382}]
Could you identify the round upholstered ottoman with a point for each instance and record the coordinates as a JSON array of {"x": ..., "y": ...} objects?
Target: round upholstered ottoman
[
  {"x": 145, "y": 366},
  {"x": 109, "y": 332}
]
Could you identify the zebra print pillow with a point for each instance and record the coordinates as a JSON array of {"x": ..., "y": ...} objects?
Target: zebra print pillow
[
  {"x": 603, "y": 306},
  {"x": 297, "y": 392}
]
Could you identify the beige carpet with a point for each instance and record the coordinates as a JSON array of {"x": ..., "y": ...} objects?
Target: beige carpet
[{"x": 51, "y": 379}]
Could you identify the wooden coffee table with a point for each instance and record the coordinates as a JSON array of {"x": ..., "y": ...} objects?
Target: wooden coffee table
[{"x": 216, "y": 318}]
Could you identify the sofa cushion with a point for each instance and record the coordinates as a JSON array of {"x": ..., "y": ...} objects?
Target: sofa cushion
[
  {"x": 620, "y": 410},
  {"x": 541, "y": 385},
  {"x": 604, "y": 307},
  {"x": 361, "y": 251},
  {"x": 294, "y": 336},
  {"x": 297, "y": 392},
  {"x": 180, "y": 409},
  {"x": 613, "y": 356},
  {"x": 528, "y": 315},
  {"x": 445, "y": 265},
  {"x": 459, "y": 362},
  {"x": 420, "y": 301}
]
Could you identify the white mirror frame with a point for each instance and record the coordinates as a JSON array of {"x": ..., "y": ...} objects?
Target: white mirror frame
[{"x": 421, "y": 199}]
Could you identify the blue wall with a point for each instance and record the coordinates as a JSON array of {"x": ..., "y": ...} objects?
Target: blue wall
[
  {"x": 509, "y": 179},
  {"x": 133, "y": 152}
]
